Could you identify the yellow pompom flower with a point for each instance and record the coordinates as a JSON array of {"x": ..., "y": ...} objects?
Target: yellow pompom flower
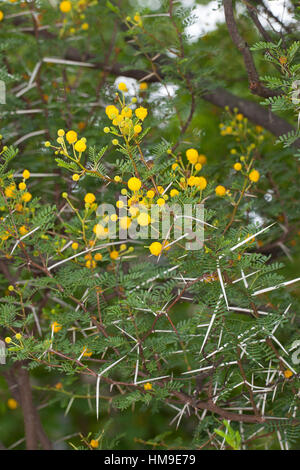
[
  {"x": 148, "y": 386},
  {"x": 75, "y": 177},
  {"x": 114, "y": 254},
  {"x": 237, "y": 166},
  {"x": 26, "y": 174},
  {"x": 89, "y": 198},
  {"x": 10, "y": 191},
  {"x": 12, "y": 404},
  {"x": 125, "y": 222},
  {"x": 27, "y": 197},
  {"x": 74, "y": 246},
  {"x": 198, "y": 166},
  {"x": 85, "y": 26},
  {"x": 111, "y": 111},
  {"x": 94, "y": 443},
  {"x": 65, "y": 6},
  {"x": 98, "y": 257},
  {"x": 220, "y": 191},
  {"x": 23, "y": 230},
  {"x": 90, "y": 263},
  {"x": 1, "y": 15},
  {"x": 137, "y": 129},
  {"x": 202, "y": 159},
  {"x": 122, "y": 87},
  {"x": 201, "y": 182},
  {"x": 141, "y": 113},
  {"x": 160, "y": 201},
  {"x": 288, "y": 373},
  {"x": 143, "y": 86},
  {"x": 99, "y": 230},
  {"x": 134, "y": 184},
  {"x": 22, "y": 186},
  {"x": 80, "y": 146},
  {"x": 174, "y": 192},
  {"x": 120, "y": 204},
  {"x": 283, "y": 60},
  {"x": 191, "y": 181},
  {"x": 254, "y": 176},
  {"x": 192, "y": 156},
  {"x": 18, "y": 336},
  {"x": 55, "y": 326},
  {"x": 150, "y": 194},
  {"x": 155, "y": 248},
  {"x": 144, "y": 219},
  {"x": 126, "y": 113},
  {"x": 133, "y": 211},
  {"x": 7, "y": 340},
  {"x": 86, "y": 352},
  {"x": 60, "y": 132},
  {"x": 71, "y": 137}
]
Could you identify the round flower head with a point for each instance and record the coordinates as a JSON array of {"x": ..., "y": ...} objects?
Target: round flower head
[
  {"x": 174, "y": 192},
  {"x": 155, "y": 248},
  {"x": 254, "y": 176},
  {"x": 114, "y": 254},
  {"x": 141, "y": 113},
  {"x": 288, "y": 373},
  {"x": 137, "y": 129},
  {"x": 65, "y": 6},
  {"x": 60, "y": 132},
  {"x": 144, "y": 219},
  {"x": 111, "y": 111},
  {"x": 192, "y": 156},
  {"x": 94, "y": 443},
  {"x": 143, "y": 86},
  {"x": 71, "y": 137},
  {"x": 89, "y": 198},
  {"x": 26, "y": 174},
  {"x": 26, "y": 197},
  {"x": 55, "y": 326},
  {"x": 75, "y": 177},
  {"x": 98, "y": 257},
  {"x": 148, "y": 386},
  {"x": 220, "y": 191},
  {"x": 202, "y": 159},
  {"x": 150, "y": 194},
  {"x": 12, "y": 403},
  {"x": 126, "y": 112},
  {"x": 201, "y": 182},
  {"x": 80, "y": 146},
  {"x": 122, "y": 87},
  {"x": 74, "y": 246},
  {"x": 125, "y": 222},
  {"x": 237, "y": 166},
  {"x": 134, "y": 184},
  {"x": 1, "y": 15}
]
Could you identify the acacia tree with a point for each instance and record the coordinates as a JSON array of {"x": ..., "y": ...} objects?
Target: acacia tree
[{"x": 111, "y": 113}]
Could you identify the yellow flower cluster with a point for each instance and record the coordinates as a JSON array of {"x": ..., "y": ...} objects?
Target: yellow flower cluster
[{"x": 78, "y": 147}]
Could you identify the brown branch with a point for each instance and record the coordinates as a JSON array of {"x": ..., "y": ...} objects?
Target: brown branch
[
  {"x": 19, "y": 383},
  {"x": 255, "y": 85}
]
